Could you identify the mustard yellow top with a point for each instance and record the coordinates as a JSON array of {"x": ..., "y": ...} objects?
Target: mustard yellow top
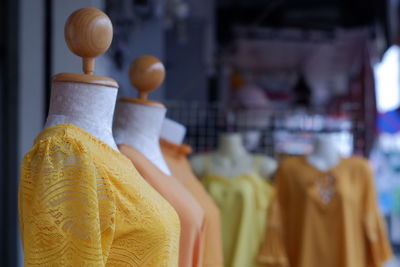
[
  {"x": 243, "y": 201},
  {"x": 81, "y": 203},
  {"x": 327, "y": 219}
]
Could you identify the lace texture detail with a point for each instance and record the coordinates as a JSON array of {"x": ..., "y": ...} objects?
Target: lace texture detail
[
  {"x": 139, "y": 126},
  {"x": 83, "y": 204},
  {"x": 88, "y": 106}
]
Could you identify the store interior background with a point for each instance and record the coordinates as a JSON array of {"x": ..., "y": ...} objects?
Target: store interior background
[{"x": 199, "y": 43}]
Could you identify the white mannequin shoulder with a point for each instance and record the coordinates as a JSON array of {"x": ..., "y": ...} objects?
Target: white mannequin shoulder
[
  {"x": 231, "y": 159},
  {"x": 267, "y": 166}
]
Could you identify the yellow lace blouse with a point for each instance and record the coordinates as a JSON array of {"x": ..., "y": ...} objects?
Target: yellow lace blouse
[{"x": 83, "y": 204}]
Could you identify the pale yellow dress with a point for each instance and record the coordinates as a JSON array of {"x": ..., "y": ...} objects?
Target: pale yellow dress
[{"x": 243, "y": 201}]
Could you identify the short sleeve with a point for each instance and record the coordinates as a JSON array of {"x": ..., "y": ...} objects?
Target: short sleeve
[
  {"x": 378, "y": 247},
  {"x": 66, "y": 207},
  {"x": 273, "y": 250}
]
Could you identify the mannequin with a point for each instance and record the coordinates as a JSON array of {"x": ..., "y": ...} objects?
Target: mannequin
[
  {"x": 70, "y": 104},
  {"x": 325, "y": 155},
  {"x": 328, "y": 195},
  {"x": 137, "y": 133},
  {"x": 85, "y": 100},
  {"x": 232, "y": 159},
  {"x": 173, "y": 131},
  {"x": 176, "y": 153},
  {"x": 81, "y": 203},
  {"x": 138, "y": 121},
  {"x": 233, "y": 178}
]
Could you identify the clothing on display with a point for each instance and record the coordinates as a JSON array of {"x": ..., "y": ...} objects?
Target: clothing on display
[
  {"x": 137, "y": 130},
  {"x": 190, "y": 213},
  {"x": 325, "y": 218},
  {"x": 138, "y": 120},
  {"x": 243, "y": 202},
  {"x": 176, "y": 157},
  {"x": 81, "y": 203},
  {"x": 105, "y": 189}
]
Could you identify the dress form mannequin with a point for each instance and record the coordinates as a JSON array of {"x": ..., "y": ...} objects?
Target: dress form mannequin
[
  {"x": 176, "y": 156},
  {"x": 232, "y": 159},
  {"x": 85, "y": 100},
  {"x": 138, "y": 121},
  {"x": 81, "y": 202},
  {"x": 173, "y": 131},
  {"x": 325, "y": 155}
]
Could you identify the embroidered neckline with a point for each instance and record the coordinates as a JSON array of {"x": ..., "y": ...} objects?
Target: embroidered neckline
[{"x": 323, "y": 183}]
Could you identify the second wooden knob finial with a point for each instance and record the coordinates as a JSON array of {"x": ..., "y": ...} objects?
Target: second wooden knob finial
[
  {"x": 146, "y": 73},
  {"x": 88, "y": 33}
]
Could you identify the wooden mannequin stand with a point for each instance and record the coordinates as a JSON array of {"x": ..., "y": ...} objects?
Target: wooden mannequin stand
[
  {"x": 83, "y": 99},
  {"x": 146, "y": 74},
  {"x": 138, "y": 121}
]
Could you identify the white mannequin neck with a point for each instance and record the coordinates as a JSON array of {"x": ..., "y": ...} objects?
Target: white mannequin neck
[
  {"x": 231, "y": 158},
  {"x": 173, "y": 131},
  {"x": 88, "y": 106},
  {"x": 231, "y": 145},
  {"x": 139, "y": 126},
  {"x": 325, "y": 155}
]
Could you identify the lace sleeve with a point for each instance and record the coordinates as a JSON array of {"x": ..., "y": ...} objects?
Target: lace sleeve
[{"x": 66, "y": 207}]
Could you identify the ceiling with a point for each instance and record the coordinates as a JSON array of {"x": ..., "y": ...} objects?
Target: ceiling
[{"x": 308, "y": 14}]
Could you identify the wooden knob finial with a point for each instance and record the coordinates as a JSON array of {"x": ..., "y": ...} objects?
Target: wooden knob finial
[
  {"x": 88, "y": 33},
  {"x": 147, "y": 74}
]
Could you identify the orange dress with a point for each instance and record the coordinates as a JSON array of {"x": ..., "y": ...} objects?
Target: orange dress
[
  {"x": 327, "y": 219},
  {"x": 189, "y": 211},
  {"x": 176, "y": 157}
]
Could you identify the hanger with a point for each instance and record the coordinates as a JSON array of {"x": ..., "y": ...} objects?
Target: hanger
[
  {"x": 88, "y": 33},
  {"x": 146, "y": 74}
]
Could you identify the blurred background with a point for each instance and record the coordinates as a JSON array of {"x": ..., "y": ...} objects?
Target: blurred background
[{"x": 278, "y": 71}]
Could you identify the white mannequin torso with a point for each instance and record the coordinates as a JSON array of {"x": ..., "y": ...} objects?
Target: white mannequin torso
[
  {"x": 139, "y": 126},
  {"x": 231, "y": 159},
  {"x": 173, "y": 131},
  {"x": 325, "y": 155},
  {"x": 88, "y": 106}
]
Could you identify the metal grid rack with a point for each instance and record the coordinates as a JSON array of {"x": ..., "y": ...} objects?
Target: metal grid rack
[{"x": 205, "y": 122}]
